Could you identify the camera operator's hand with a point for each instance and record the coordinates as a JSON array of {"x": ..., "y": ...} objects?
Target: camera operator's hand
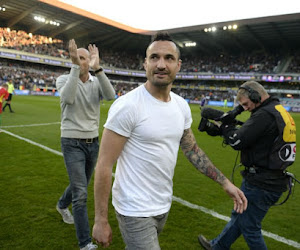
[
  {"x": 217, "y": 123},
  {"x": 225, "y": 128},
  {"x": 209, "y": 127},
  {"x": 239, "y": 199}
]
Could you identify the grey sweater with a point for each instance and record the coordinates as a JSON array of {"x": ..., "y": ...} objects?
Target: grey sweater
[{"x": 80, "y": 103}]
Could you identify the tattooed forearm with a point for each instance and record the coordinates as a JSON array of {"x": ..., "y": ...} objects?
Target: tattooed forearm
[{"x": 198, "y": 158}]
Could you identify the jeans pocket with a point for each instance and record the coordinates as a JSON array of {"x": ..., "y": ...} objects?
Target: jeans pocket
[
  {"x": 270, "y": 198},
  {"x": 68, "y": 144}
]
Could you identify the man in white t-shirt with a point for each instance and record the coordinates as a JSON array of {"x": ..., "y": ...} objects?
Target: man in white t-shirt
[{"x": 143, "y": 132}]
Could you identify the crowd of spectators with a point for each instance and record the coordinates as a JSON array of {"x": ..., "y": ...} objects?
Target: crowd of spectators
[
  {"x": 122, "y": 60},
  {"x": 212, "y": 95},
  {"x": 36, "y": 44},
  {"x": 28, "y": 75},
  {"x": 31, "y": 75},
  {"x": 294, "y": 65},
  {"x": 257, "y": 62}
]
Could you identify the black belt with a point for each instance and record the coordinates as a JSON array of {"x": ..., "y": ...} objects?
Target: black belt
[
  {"x": 259, "y": 170},
  {"x": 89, "y": 140}
]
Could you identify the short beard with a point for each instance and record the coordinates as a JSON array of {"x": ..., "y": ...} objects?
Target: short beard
[{"x": 161, "y": 84}]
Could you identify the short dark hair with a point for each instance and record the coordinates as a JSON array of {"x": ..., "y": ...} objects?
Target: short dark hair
[{"x": 163, "y": 36}]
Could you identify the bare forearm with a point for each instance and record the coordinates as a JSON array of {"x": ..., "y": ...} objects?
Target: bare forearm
[
  {"x": 102, "y": 187},
  {"x": 199, "y": 159},
  {"x": 201, "y": 162}
]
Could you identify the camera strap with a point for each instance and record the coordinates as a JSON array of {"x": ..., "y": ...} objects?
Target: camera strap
[
  {"x": 291, "y": 184},
  {"x": 291, "y": 180},
  {"x": 235, "y": 166}
]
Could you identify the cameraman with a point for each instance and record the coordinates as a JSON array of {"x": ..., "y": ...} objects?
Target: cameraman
[{"x": 264, "y": 179}]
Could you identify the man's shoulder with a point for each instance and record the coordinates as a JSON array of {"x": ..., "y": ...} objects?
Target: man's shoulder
[
  {"x": 270, "y": 104},
  {"x": 178, "y": 98},
  {"x": 264, "y": 113},
  {"x": 135, "y": 93},
  {"x": 131, "y": 100},
  {"x": 176, "y": 95},
  {"x": 63, "y": 76},
  {"x": 61, "y": 80}
]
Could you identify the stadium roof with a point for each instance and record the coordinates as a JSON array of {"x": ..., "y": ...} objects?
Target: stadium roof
[
  {"x": 170, "y": 14},
  {"x": 274, "y": 33}
]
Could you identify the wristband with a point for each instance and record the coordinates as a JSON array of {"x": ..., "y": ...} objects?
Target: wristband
[
  {"x": 98, "y": 70},
  {"x": 75, "y": 66}
]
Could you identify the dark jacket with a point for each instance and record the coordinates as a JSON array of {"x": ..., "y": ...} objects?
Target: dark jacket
[{"x": 255, "y": 139}]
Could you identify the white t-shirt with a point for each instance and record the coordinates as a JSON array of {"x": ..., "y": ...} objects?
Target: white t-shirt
[{"x": 143, "y": 184}]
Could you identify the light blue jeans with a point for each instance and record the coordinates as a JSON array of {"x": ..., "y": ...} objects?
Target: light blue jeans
[
  {"x": 141, "y": 233},
  {"x": 248, "y": 223},
  {"x": 80, "y": 160}
]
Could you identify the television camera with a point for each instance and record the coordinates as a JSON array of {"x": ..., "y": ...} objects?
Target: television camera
[{"x": 227, "y": 118}]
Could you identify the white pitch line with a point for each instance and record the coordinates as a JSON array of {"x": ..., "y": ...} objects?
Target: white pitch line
[
  {"x": 32, "y": 142},
  {"x": 202, "y": 209},
  {"x": 177, "y": 199},
  {"x": 281, "y": 239},
  {"x": 30, "y": 125},
  {"x": 226, "y": 218}
]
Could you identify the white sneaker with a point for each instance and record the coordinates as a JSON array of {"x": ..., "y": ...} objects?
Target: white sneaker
[
  {"x": 89, "y": 246},
  {"x": 66, "y": 215}
]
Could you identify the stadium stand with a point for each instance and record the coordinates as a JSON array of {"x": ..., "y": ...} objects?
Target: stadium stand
[
  {"x": 215, "y": 69},
  {"x": 32, "y": 76}
]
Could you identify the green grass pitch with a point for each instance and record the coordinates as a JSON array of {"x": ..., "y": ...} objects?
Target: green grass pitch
[{"x": 32, "y": 179}]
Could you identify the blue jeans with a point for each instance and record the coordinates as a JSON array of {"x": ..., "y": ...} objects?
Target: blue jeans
[
  {"x": 141, "y": 232},
  {"x": 248, "y": 223},
  {"x": 80, "y": 159}
]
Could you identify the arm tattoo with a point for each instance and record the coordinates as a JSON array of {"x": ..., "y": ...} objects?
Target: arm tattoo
[{"x": 198, "y": 158}]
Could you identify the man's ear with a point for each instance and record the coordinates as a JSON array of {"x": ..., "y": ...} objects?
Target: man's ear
[
  {"x": 145, "y": 64},
  {"x": 179, "y": 64}
]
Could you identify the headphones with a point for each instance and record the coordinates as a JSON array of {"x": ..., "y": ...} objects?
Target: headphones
[{"x": 254, "y": 96}]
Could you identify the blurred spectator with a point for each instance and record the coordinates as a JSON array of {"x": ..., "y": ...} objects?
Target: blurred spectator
[
  {"x": 3, "y": 95},
  {"x": 294, "y": 65},
  {"x": 11, "y": 91}
]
